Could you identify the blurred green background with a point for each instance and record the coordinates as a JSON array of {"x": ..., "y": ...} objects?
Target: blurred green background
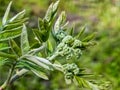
[{"x": 100, "y": 16}]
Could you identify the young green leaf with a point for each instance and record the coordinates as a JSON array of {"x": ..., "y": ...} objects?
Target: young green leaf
[
  {"x": 60, "y": 21},
  {"x": 12, "y": 26},
  {"x": 32, "y": 67},
  {"x": 15, "y": 48},
  {"x": 51, "y": 12},
  {"x": 80, "y": 33},
  {"x": 24, "y": 41},
  {"x": 93, "y": 86},
  {"x": 42, "y": 36},
  {"x": 40, "y": 61},
  {"x": 38, "y": 35},
  {"x": 44, "y": 30},
  {"x": 4, "y": 46},
  {"x": 7, "y": 55},
  {"x": 33, "y": 42},
  {"x": 71, "y": 32},
  {"x": 40, "y": 24},
  {"x": 18, "y": 16},
  {"x": 4, "y": 20},
  {"x": 22, "y": 20},
  {"x": 40, "y": 74},
  {"x": 48, "y": 13},
  {"x": 3, "y": 61},
  {"x": 55, "y": 6},
  {"x": 7, "y": 34},
  {"x": 88, "y": 38},
  {"x": 49, "y": 46},
  {"x": 82, "y": 82}
]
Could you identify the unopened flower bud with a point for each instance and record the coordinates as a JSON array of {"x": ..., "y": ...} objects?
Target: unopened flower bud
[
  {"x": 68, "y": 39},
  {"x": 77, "y": 43}
]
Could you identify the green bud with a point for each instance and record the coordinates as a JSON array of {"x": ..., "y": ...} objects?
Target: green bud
[
  {"x": 70, "y": 70},
  {"x": 77, "y": 43},
  {"x": 66, "y": 50},
  {"x": 60, "y": 35},
  {"x": 69, "y": 76},
  {"x": 68, "y": 39},
  {"x": 77, "y": 53},
  {"x": 74, "y": 66},
  {"x": 69, "y": 56},
  {"x": 60, "y": 47},
  {"x": 76, "y": 71}
]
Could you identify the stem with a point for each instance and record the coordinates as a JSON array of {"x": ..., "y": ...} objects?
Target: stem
[
  {"x": 18, "y": 75},
  {"x": 52, "y": 57},
  {"x": 36, "y": 50},
  {"x": 6, "y": 83}
]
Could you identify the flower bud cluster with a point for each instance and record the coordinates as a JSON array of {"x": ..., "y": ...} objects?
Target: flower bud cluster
[
  {"x": 70, "y": 70},
  {"x": 60, "y": 35},
  {"x": 69, "y": 47}
]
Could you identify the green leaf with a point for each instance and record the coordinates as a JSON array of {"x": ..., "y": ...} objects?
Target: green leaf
[
  {"x": 48, "y": 13},
  {"x": 44, "y": 30},
  {"x": 33, "y": 67},
  {"x": 32, "y": 39},
  {"x": 42, "y": 36},
  {"x": 15, "y": 24},
  {"x": 51, "y": 12},
  {"x": 55, "y": 6},
  {"x": 93, "y": 86},
  {"x": 24, "y": 63},
  {"x": 71, "y": 31},
  {"x": 64, "y": 26},
  {"x": 24, "y": 41},
  {"x": 38, "y": 35},
  {"x": 15, "y": 48},
  {"x": 40, "y": 74},
  {"x": 7, "y": 34},
  {"x": 12, "y": 26},
  {"x": 7, "y": 55},
  {"x": 60, "y": 21},
  {"x": 41, "y": 24},
  {"x": 88, "y": 38},
  {"x": 3, "y": 46},
  {"x": 22, "y": 20},
  {"x": 3, "y": 61},
  {"x": 42, "y": 62},
  {"x": 49, "y": 46},
  {"x": 6, "y": 61},
  {"x": 46, "y": 26},
  {"x": 18, "y": 16},
  {"x": 4, "y": 20},
  {"x": 80, "y": 33},
  {"x": 82, "y": 82}
]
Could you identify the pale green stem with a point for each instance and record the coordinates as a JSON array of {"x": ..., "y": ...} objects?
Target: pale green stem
[
  {"x": 18, "y": 75},
  {"x": 53, "y": 57}
]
